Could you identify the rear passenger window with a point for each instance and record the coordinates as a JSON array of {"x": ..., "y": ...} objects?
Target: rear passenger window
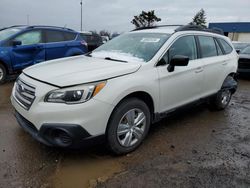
[
  {"x": 69, "y": 36},
  {"x": 184, "y": 46},
  {"x": 54, "y": 36},
  {"x": 227, "y": 48},
  {"x": 219, "y": 51},
  {"x": 208, "y": 48}
]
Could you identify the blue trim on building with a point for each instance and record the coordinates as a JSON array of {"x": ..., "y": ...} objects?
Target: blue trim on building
[{"x": 232, "y": 27}]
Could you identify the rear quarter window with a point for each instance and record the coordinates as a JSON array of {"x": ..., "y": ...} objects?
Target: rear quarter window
[
  {"x": 69, "y": 36},
  {"x": 227, "y": 47},
  {"x": 219, "y": 50}
]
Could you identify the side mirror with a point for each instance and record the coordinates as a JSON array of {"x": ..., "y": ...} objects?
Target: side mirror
[
  {"x": 16, "y": 43},
  {"x": 178, "y": 60},
  {"x": 238, "y": 51}
]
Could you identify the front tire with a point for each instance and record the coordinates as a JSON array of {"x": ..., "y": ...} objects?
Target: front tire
[
  {"x": 128, "y": 126},
  {"x": 3, "y": 74}
]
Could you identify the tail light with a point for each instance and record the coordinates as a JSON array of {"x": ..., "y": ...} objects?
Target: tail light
[{"x": 84, "y": 43}]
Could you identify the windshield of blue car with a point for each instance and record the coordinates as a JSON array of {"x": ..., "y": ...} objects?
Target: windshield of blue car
[
  {"x": 6, "y": 33},
  {"x": 245, "y": 50},
  {"x": 132, "y": 47}
]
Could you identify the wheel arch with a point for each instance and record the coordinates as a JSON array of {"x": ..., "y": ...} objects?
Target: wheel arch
[
  {"x": 141, "y": 95},
  {"x": 230, "y": 82},
  {"x": 5, "y": 66}
]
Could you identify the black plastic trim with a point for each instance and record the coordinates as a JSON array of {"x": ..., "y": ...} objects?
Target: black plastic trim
[{"x": 80, "y": 137}]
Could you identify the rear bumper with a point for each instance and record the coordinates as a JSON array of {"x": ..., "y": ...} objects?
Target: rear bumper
[{"x": 60, "y": 135}]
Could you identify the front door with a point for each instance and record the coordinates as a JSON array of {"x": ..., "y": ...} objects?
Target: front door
[
  {"x": 31, "y": 50},
  {"x": 184, "y": 84}
]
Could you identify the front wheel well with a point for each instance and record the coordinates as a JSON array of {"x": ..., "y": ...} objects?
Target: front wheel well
[
  {"x": 145, "y": 97},
  {"x": 141, "y": 95}
]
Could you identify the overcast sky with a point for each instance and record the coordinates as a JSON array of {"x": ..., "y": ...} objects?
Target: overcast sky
[{"x": 115, "y": 15}]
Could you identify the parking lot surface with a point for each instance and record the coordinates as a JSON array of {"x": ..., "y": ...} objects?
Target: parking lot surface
[{"x": 194, "y": 147}]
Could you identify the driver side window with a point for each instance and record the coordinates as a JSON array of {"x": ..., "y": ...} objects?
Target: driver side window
[
  {"x": 29, "y": 38},
  {"x": 185, "y": 46}
]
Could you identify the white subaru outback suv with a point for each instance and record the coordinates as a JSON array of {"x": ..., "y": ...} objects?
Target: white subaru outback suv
[{"x": 116, "y": 92}]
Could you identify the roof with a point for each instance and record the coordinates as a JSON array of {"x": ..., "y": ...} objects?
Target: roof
[
  {"x": 38, "y": 26},
  {"x": 233, "y": 27}
]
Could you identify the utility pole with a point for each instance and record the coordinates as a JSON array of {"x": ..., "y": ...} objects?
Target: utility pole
[
  {"x": 28, "y": 19},
  {"x": 81, "y": 14}
]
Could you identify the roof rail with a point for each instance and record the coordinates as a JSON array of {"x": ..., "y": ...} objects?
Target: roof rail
[
  {"x": 190, "y": 27},
  {"x": 156, "y": 26},
  {"x": 13, "y": 26},
  {"x": 34, "y": 26}
]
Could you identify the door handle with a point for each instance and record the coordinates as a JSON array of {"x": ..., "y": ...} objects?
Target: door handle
[
  {"x": 224, "y": 63},
  {"x": 198, "y": 70}
]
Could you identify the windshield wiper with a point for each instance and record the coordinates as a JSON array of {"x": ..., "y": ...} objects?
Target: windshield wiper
[{"x": 111, "y": 59}]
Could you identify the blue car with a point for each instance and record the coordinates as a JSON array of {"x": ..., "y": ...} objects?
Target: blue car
[{"x": 23, "y": 46}]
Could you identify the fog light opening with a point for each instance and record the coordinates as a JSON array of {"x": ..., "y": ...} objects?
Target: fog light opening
[{"x": 62, "y": 138}]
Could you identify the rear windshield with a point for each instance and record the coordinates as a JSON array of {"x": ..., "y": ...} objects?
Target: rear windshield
[
  {"x": 91, "y": 38},
  {"x": 132, "y": 46},
  {"x": 6, "y": 33}
]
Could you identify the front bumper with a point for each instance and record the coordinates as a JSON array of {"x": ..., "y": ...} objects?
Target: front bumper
[
  {"x": 89, "y": 119},
  {"x": 59, "y": 135}
]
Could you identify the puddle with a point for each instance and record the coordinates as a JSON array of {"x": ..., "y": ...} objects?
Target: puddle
[{"x": 85, "y": 172}]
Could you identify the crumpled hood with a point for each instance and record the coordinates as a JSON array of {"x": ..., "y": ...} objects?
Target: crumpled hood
[{"x": 79, "y": 70}]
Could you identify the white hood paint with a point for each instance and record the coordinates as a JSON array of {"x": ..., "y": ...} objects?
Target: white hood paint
[{"x": 79, "y": 70}]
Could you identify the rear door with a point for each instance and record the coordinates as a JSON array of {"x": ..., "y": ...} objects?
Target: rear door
[
  {"x": 31, "y": 50},
  {"x": 184, "y": 84},
  {"x": 55, "y": 46},
  {"x": 213, "y": 61}
]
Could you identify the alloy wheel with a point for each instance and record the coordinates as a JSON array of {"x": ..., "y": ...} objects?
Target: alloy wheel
[{"x": 131, "y": 127}]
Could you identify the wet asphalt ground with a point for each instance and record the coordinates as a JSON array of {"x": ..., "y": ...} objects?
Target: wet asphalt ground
[{"x": 194, "y": 147}]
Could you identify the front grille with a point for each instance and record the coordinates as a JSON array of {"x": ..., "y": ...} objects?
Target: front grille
[
  {"x": 244, "y": 63},
  {"x": 24, "y": 94}
]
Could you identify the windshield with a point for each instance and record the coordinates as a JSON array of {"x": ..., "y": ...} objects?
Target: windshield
[
  {"x": 245, "y": 50},
  {"x": 132, "y": 47},
  {"x": 6, "y": 33}
]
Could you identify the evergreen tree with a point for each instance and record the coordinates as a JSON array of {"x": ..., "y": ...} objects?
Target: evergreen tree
[
  {"x": 145, "y": 19},
  {"x": 200, "y": 18}
]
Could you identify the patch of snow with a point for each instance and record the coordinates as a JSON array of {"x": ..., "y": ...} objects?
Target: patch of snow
[{"x": 117, "y": 55}]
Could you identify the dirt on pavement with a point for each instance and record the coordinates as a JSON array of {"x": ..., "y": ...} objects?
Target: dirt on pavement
[{"x": 194, "y": 147}]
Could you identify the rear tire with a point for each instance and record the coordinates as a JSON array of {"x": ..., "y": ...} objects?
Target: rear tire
[
  {"x": 3, "y": 74},
  {"x": 128, "y": 126},
  {"x": 221, "y": 100}
]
